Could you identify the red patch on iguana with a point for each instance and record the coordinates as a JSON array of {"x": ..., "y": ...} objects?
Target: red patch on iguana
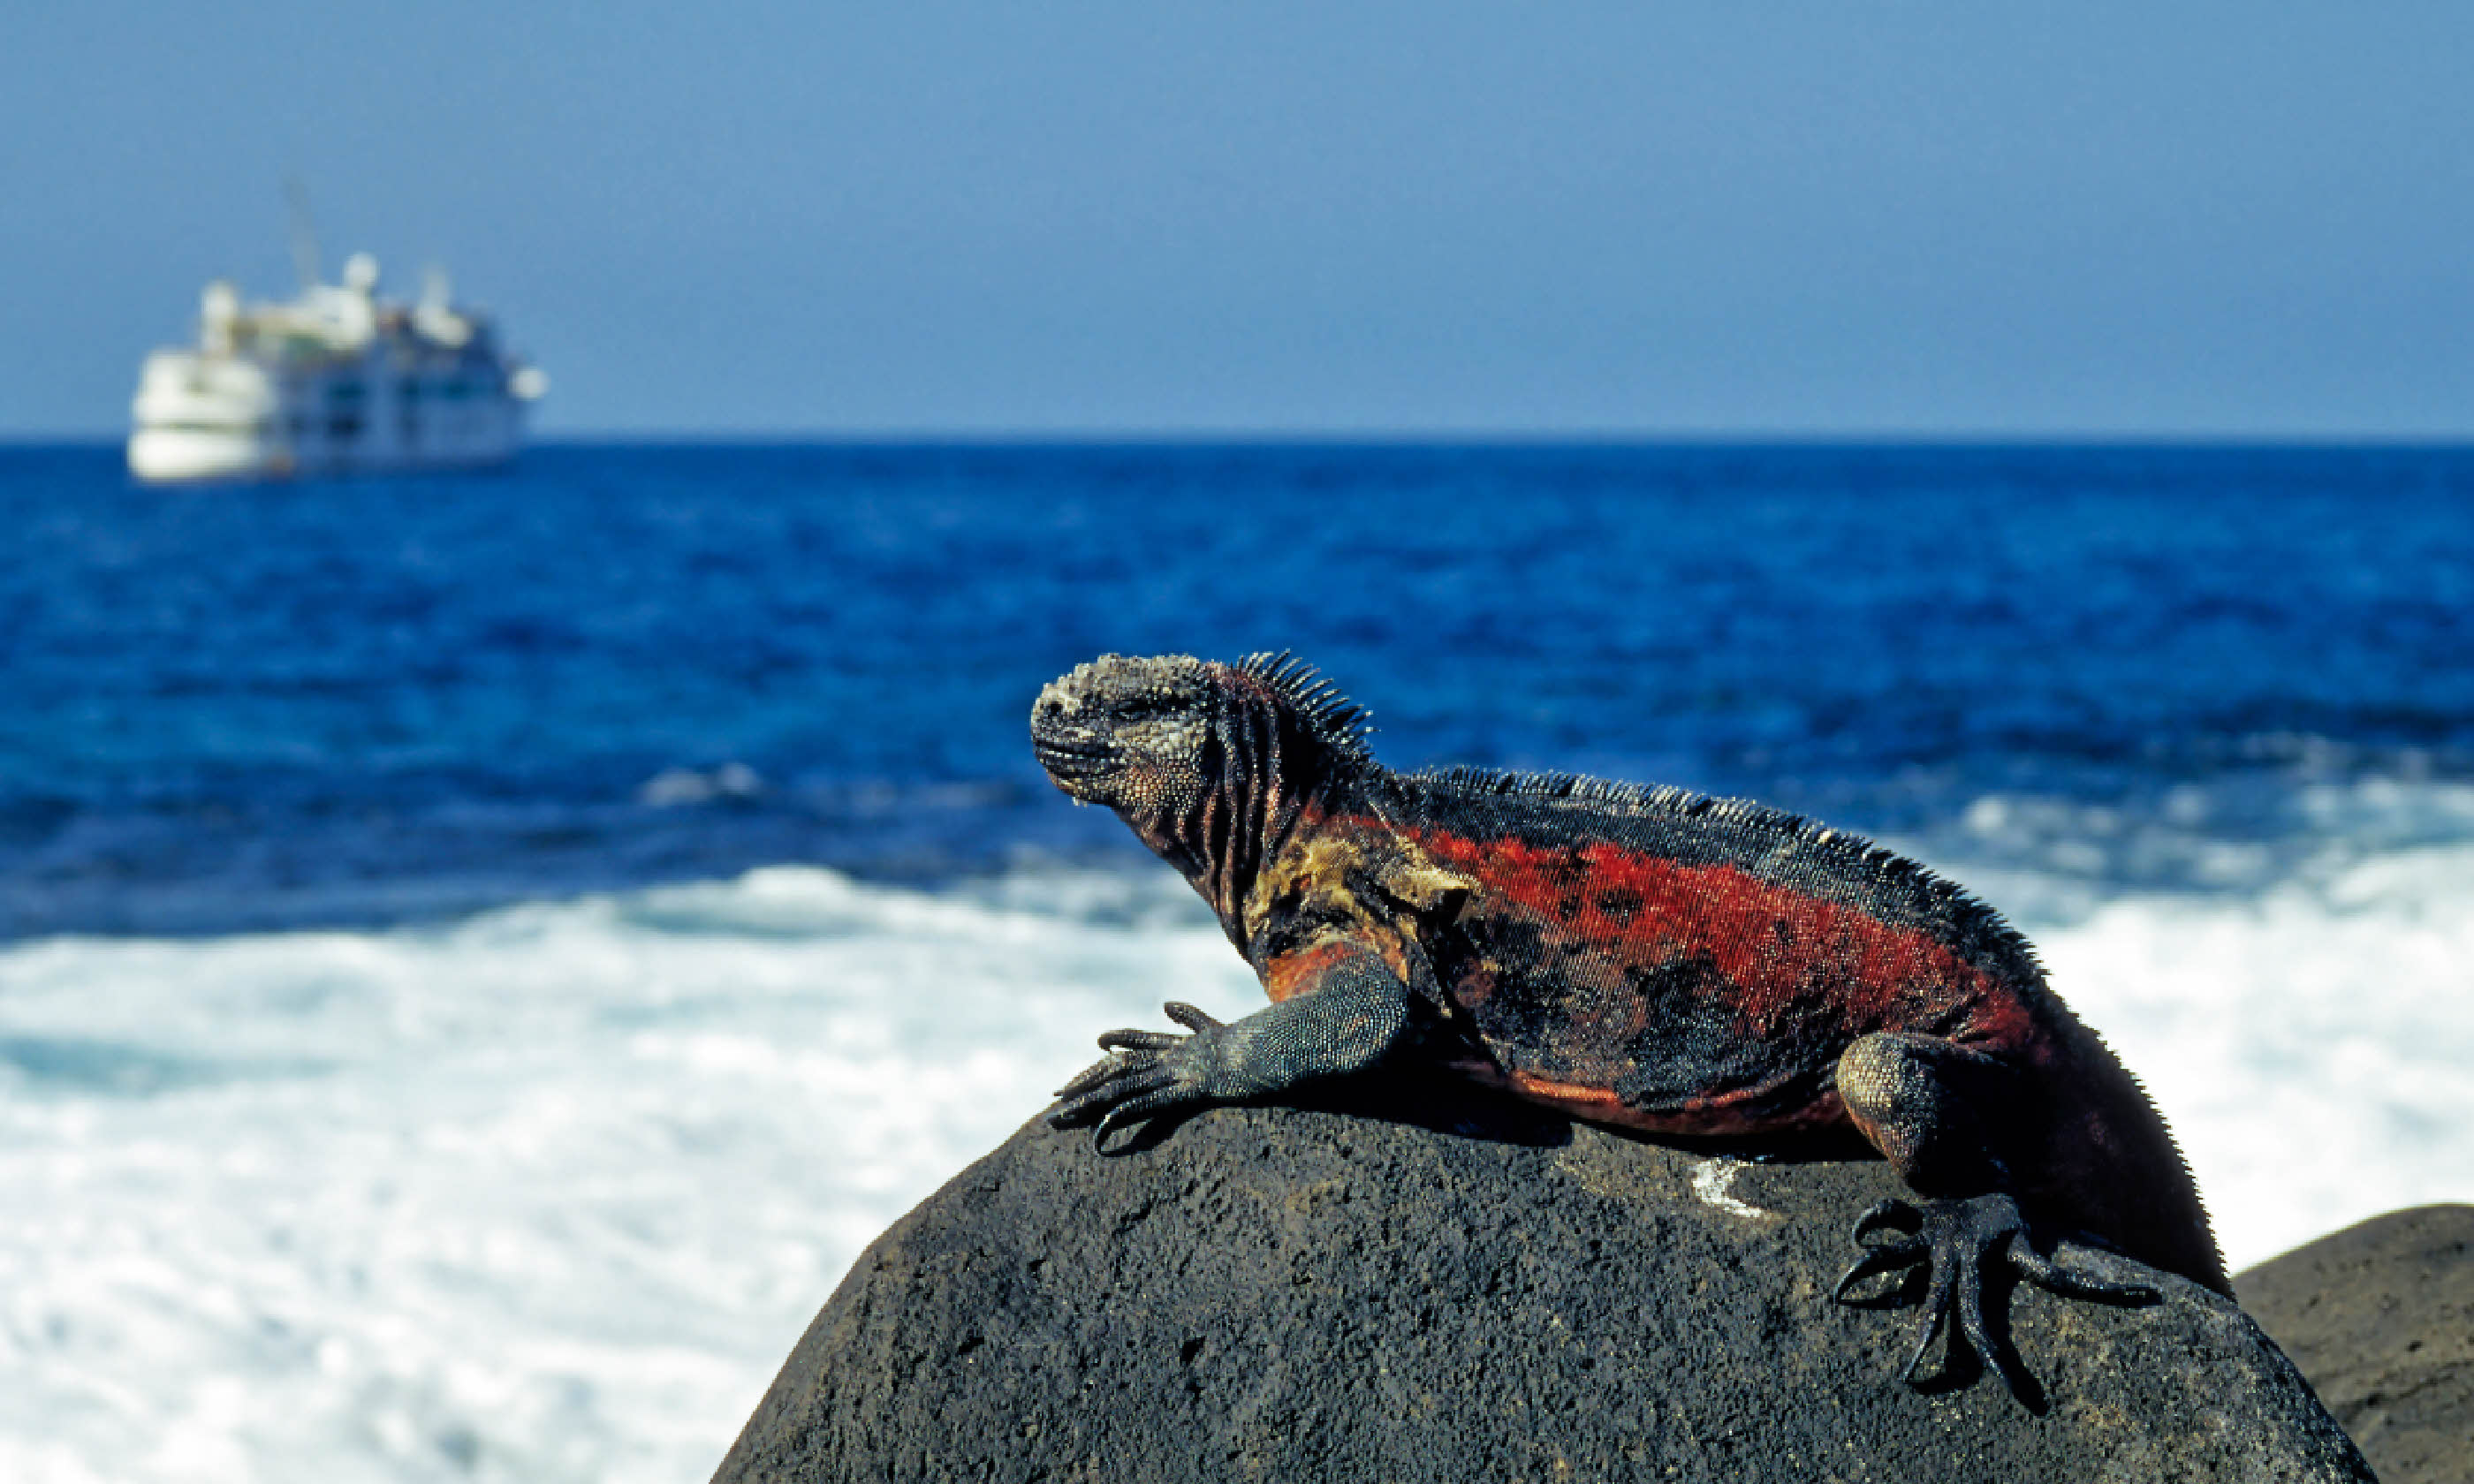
[
  {"x": 1774, "y": 946},
  {"x": 1701, "y": 1116},
  {"x": 1292, "y": 974}
]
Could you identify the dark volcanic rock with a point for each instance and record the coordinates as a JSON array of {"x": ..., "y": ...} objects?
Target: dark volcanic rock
[
  {"x": 1305, "y": 1295},
  {"x": 2380, "y": 1317}
]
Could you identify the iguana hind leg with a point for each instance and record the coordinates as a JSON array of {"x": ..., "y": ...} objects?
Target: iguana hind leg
[{"x": 1928, "y": 1104}]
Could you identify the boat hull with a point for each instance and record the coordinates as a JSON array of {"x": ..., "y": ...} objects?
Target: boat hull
[{"x": 336, "y": 383}]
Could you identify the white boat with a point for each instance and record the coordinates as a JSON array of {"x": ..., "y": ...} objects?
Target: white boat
[{"x": 336, "y": 381}]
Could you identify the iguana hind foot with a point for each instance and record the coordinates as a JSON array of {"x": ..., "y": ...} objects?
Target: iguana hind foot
[{"x": 1962, "y": 1242}]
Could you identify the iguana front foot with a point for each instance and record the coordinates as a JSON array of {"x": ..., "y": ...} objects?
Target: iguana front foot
[
  {"x": 1959, "y": 1241},
  {"x": 1355, "y": 1017},
  {"x": 1147, "y": 1073}
]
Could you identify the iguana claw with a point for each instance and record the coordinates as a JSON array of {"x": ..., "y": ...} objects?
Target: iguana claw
[
  {"x": 1145, "y": 1074},
  {"x": 1959, "y": 1241}
]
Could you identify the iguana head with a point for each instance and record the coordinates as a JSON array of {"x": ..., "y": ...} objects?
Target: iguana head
[
  {"x": 1159, "y": 735},
  {"x": 1210, "y": 764},
  {"x": 1127, "y": 732}
]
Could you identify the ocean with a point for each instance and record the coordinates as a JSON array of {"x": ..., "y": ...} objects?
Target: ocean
[{"x": 480, "y": 956}]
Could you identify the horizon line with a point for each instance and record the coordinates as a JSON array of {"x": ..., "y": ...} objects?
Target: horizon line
[{"x": 1471, "y": 437}]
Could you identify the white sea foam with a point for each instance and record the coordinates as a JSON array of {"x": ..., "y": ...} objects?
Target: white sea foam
[
  {"x": 543, "y": 1195},
  {"x": 2312, "y": 1045},
  {"x": 548, "y": 1194}
]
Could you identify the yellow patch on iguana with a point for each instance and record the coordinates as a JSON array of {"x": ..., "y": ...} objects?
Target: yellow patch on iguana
[{"x": 1335, "y": 880}]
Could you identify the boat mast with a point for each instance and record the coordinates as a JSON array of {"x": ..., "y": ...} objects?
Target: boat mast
[{"x": 304, "y": 234}]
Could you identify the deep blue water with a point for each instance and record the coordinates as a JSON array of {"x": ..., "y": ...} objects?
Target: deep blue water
[{"x": 383, "y": 698}]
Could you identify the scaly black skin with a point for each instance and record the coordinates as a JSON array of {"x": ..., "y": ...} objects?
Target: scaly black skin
[{"x": 1641, "y": 957}]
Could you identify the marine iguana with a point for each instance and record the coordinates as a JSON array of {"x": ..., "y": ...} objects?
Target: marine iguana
[{"x": 1637, "y": 956}]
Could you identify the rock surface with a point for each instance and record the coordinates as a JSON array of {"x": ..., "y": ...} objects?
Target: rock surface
[
  {"x": 1483, "y": 1292},
  {"x": 2380, "y": 1317}
]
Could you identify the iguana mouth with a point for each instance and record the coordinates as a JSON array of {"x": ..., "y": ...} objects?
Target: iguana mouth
[{"x": 1077, "y": 760}]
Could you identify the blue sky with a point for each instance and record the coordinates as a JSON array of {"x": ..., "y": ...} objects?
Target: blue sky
[{"x": 1634, "y": 219}]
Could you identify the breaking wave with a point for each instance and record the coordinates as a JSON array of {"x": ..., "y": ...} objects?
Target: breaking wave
[{"x": 548, "y": 1192}]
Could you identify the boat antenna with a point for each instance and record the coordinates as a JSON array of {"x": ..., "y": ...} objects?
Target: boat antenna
[{"x": 304, "y": 233}]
